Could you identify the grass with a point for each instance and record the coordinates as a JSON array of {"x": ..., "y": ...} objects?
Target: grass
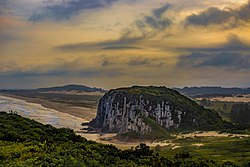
[
  {"x": 220, "y": 149},
  {"x": 157, "y": 132}
]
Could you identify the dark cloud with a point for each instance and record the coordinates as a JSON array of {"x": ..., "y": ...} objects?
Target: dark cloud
[
  {"x": 155, "y": 23},
  {"x": 234, "y": 54},
  {"x": 148, "y": 26},
  {"x": 106, "y": 63},
  {"x": 149, "y": 62},
  {"x": 235, "y": 44},
  {"x": 217, "y": 16},
  {"x": 139, "y": 61},
  {"x": 210, "y": 16},
  {"x": 4, "y": 38},
  {"x": 156, "y": 19},
  {"x": 57, "y": 69},
  {"x": 229, "y": 60},
  {"x": 4, "y": 7},
  {"x": 120, "y": 47},
  {"x": 120, "y": 44},
  {"x": 85, "y": 73},
  {"x": 66, "y": 9},
  {"x": 158, "y": 12}
]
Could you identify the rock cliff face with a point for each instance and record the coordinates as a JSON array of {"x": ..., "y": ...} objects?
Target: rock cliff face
[{"x": 141, "y": 109}]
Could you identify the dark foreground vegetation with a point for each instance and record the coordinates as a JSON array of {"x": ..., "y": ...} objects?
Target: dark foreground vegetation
[{"x": 25, "y": 142}]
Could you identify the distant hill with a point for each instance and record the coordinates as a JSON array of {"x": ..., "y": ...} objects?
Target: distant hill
[
  {"x": 72, "y": 87},
  {"x": 201, "y": 91},
  {"x": 75, "y": 95},
  {"x": 150, "y": 112}
]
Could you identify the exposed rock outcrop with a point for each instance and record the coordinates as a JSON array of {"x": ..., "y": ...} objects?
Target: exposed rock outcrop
[{"x": 140, "y": 109}]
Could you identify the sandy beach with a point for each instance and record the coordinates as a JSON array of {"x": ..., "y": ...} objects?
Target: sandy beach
[
  {"x": 81, "y": 112},
  {"x": 41, "y": 114},
  {"x": 209, "y": 134}
]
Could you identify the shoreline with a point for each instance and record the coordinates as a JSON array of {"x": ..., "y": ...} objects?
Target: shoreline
[{"x": 81, "y": 112}]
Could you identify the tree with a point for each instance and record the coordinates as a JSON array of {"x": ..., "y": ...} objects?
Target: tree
[{"x": 240, "y": 113}]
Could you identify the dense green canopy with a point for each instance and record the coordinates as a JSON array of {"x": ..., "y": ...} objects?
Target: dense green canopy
[{"x": 25, "y": 142}]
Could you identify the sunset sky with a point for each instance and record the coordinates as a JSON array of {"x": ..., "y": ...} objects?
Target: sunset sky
[{"x": 113, "y": 43}]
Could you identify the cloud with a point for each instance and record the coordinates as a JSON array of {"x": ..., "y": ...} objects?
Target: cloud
[
  {"x": 156, "y": 23},
  {"x": 120, "y": 44},
  {"x": 106, "y": 63},
  {"x": 229, "y": 60},
  {"x": 4, "y": 7},
  {"x": 233, "y": 43},
  {"x": 234, "y": 54},
  {"x": 4, "y": 38},
  {"x": 65, "y": 9},
  {"x": 129, "y": 40},
  {"x": 58, "y": 68},
  {"x": 139, "y": 61},
  {"x": 120, "y": 47},
  {"x": 210, "y": 16},
  {"x": 158, "y": 12},
  {"x": 155, "y": 20},
  {"x": 145, "y": 27},
  {"x": 215, "y": 16}
]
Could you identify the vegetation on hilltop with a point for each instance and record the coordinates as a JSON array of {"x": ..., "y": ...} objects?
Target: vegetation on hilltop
[
  {"x": 240, "y": 113},
  {"x": 71, "y": 87},
  {"x": 207, "y": 91}
]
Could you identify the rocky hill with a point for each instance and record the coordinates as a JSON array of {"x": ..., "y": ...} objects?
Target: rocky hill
[{"x": 147, "y": 111}]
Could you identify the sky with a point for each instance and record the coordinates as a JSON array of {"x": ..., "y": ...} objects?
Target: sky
[{"x": 115, "y": 43}]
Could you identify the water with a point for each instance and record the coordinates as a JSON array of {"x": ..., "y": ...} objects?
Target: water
[{"x": 40, "y": 113}]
